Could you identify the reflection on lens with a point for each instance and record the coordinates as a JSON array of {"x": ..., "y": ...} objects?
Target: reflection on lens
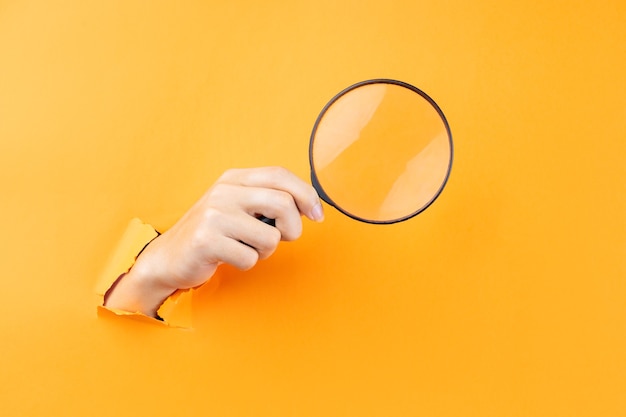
[{"x": 381, "y": 151}]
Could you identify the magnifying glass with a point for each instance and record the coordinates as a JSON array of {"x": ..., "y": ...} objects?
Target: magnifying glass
[{"x": 380, "y": 151}]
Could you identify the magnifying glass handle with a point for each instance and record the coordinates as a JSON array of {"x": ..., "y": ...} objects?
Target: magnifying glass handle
[{"x": 267, "y": 220}]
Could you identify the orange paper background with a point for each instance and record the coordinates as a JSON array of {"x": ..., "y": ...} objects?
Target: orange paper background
[{"x": 506, "y": 298}]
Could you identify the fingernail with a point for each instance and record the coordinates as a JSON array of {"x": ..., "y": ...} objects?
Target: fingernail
[{"x": 317, "y": 213}]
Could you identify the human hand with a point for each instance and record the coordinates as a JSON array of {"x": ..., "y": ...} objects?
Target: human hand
[{"x": 221, "y": 227}]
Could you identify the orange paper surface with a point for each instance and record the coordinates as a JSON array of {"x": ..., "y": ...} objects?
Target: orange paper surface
[{"x": 507, "y": 297}]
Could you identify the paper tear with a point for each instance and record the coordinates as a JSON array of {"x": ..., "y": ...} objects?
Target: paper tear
[{"x": 176, "y": 311}]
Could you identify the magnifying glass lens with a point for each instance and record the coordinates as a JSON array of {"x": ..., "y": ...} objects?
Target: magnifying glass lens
[{"x": 381, "y": 151}]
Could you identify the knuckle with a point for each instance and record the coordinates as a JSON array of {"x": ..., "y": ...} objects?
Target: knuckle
[
  {"x": 277, "y": 174},
  {"x": 229, "y": 176},
  {"x": 271, "y": 240},
  {"x": 293, "y": 232},
  {"x": 284, "y": 201},
  {"x": 274, "y": 237},
  {"x": 266, "y": 254},
  {"x": 205, "y": 230},
  {"x": 248, "y": 260},
  {"x": 212, "y": 216},
  {"x": 278, "y": 170},
  {"x": 197, "y": 242},
  {"x": 219, "y": 190},
  {"x": 219, "y": 196}
]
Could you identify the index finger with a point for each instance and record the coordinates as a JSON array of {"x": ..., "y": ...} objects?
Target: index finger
[{"x": 279, "y": 178}]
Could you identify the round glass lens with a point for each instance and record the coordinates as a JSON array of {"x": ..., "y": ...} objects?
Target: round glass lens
[{"x": 380, "y": 151}]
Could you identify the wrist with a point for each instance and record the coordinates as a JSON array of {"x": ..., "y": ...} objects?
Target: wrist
[{"x": 139, "y": 291}]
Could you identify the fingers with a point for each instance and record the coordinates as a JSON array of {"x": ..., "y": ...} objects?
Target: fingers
[
  {"x": 249, "y": 234},
  {"x": 255, "y": 202},
  {"x": 240, "y": 196},
  {"x": 277, "y": 178}
]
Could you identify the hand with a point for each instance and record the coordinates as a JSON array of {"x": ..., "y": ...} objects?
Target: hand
[{"x": 222, "y": 227}]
